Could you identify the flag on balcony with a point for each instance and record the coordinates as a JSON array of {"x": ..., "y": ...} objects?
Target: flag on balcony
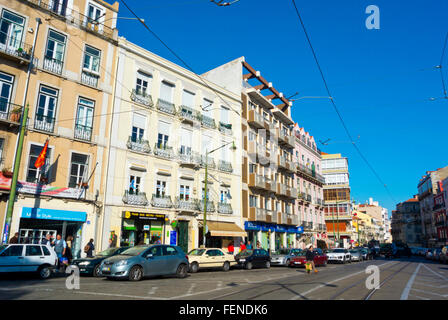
[
  {"x": 40, "y": 161},
  {"x": 132, "y": 184}
]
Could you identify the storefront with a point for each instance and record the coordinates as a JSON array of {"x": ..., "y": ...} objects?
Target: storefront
[
  {"x": 142, "y": 228},
  {"x": 221, "y": 234},
  {"x": 36, "y": 223},
  {"x": 262, "y": 232}
]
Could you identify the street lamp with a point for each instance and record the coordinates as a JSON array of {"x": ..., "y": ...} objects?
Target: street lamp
[{"x": 204, "y": 227}]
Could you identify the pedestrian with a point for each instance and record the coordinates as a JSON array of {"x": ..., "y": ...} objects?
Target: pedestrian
[
  {"x": 60, "y": 247},
  {"x": 158, "y": 241},
  {"x": 88, "y": 249},
  {"x": 230, "y": 247},
  {"x": 46, "y": 240},
  {"x": 310, "y": 257},
  {"x": 68, "y": 250},
  {"x": 242, "y": 246},
  {"x": 113, "y": 239},
  {"x": 14, "y": 239},
  {"x": 249, "y": 245},
  {"x": 258, "y": 245}
]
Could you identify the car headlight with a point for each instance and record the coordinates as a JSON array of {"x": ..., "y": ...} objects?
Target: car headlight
[
  {"x": 84, "y": 263},
  {"x": 121, "y": 263}
]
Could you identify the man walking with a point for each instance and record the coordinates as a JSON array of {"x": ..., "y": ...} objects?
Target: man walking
[
  {"x": 46, "y": 240},
  {"x": 59, "y": 247},
  {"x": 310, "y": 257},
  {"x": 88, "y": 249}
]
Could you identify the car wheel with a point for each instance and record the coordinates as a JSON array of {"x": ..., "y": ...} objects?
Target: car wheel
[
  {"x": 248, "y": 265},
  {"x": 44, "y": 272},
  {"x": 325, "y": 263},
  {"x": 267, "y": 265},
  {"x": 96, "y": 271},
  {"x": 181, "y": 271},
  {"x": 344, "y": 261},
  {"x": 194, "y": 267},
  {"x": 226, "y": 266},
  {"x": 136, "y": 273}
]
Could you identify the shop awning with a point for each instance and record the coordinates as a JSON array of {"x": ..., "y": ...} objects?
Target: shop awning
[{"x": 225, "y": 229}]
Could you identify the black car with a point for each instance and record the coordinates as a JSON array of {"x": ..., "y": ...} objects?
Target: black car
[
  {"x": 91, "y": 266},
  {"x": 250, "y": 258}
]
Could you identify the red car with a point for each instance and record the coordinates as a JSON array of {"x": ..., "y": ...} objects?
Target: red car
[{"x": 320, "y": 259}]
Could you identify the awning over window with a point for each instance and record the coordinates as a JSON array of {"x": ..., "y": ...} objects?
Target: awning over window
[{"x": 225, "y": 229}]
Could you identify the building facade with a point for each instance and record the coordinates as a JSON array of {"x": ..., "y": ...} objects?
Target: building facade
[
  {"x": 165, "y": 121},
  {"x": 381, "y": 219},
  {"x": 406, "y": 223},
  {"x": 309, "y": 183},
  {"x": 268, "y": 169},
  {"x": 68, "y": 91},
  {"x": 338, "y": 207}
]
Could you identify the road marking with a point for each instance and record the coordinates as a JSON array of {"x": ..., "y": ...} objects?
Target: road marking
[
  {"x": 331, "y": 282},
  {"x": 422, "y": 298},
  {"x": 429, "y": 292},
  {"x": 153, "y": 290},
  {"x": 436, "y": 273},
  {"x": 407, "y": 289},
  {"x": 118, "y": 295}
]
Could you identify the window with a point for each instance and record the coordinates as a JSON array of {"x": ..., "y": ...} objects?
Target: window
[
  {"x": 224, "y": 196},
  {"x": 207, "y": 108},
  {"x": 46, "y": 251},
  {"x": 252, "y": 136},
  {"x": 84, "y": 119},
  {"x": 11, "y": 30},
  {"x": 169, "y": 251},
  {"x": 142, "y": 84},
  {"x": 95, "y": 16},
  {"x": 59, "y": 7},
  {"x": 162, "y": 138},
  {"x": 91, "y": 59},
  {"x": 138, "y": 127},
  {"x": 225, "y": 115},
  {"x": 166, "y": 91},
  {"x": 6, "y": 82},
  {"x": 134, "y": 184},
  {"x": 78, "y": 169},
  {"x": 252, "y": 168},
  {"x": 56, "y": 43},
  {"x": 13, "y": 251},
  {"x": 33, "y": 251},
  {"x": 37, "y": 174},
  {"x": 252, "y": 201},
  {"x": 184, "y": 192},
  {"x": 185, "y": 141},
  {"x": 160, "y": 188},
  {"x": 155, "y": 251},
  {"x": 46, "y": 109},
  {"x": 188, "y": 99}
]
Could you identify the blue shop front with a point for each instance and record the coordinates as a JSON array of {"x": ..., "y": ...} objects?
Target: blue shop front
[{"x": 272, "y": 236}]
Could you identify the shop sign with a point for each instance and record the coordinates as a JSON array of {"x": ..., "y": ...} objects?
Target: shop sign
[
  {"x": 146, "y": 227},
  {"x": 279, "y": 228},
  {"x": 143, "y": 216},
  {"x": 50, "y": 214},
  {"x": 47, "y": 190},
  {"x": 173, "y": 238},
  {"x": 251, "y": 226}
]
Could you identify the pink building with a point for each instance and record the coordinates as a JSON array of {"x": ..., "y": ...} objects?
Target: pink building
[{"x": 309, "y": 183}]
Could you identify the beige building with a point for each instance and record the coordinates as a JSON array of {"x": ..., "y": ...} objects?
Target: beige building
[
  {"x": 69, "y": 90},
  {"x": 166, "y": 119}
]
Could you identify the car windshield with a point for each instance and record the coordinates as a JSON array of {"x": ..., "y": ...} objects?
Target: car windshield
[
  {"x": 281, "y": 251},
  {"x": 134, "y": 251},
  {"x": 246, "y": 252},
  {"x": 297, "y": 252},
  {"x": 196, "y": 252},
  {"x": 108, "y": 252},
  {"x": 338, "y": 250},
  {"x": 354, "y": 251}
]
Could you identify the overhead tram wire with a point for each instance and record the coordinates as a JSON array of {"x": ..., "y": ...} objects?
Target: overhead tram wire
[
  {"x": 335, "y": 107},
  {"x": 441, "y": 69},
  {"x": 178, "y": 57}
]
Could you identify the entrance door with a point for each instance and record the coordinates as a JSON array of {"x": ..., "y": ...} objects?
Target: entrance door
[{"x": 182, "y": 241}]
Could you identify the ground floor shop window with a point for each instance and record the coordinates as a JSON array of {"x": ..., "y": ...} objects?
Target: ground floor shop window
[{"x": 142, "y": 228}]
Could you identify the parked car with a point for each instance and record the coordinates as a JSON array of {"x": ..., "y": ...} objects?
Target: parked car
[
  {"x": 142, "y": 261},
  {"x": 91, "y": 266},
  {"x": 283, "y": 257},
  {"x": 428, "y": 254},
  {"x": 339, "y": 255},
  {"x": 250, "y": 258},
  {"x": 37, "y": 258},
  {"x": 436, "y": 254},
  {"x": 366, "y": 254},
  {"x": 320, "y": 258},
  {"x": 210, "y": 258},
  {"x": 356, "y": 255}
]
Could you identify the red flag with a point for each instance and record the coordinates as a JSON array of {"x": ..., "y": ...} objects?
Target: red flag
[{"x": 40, "y": 161}]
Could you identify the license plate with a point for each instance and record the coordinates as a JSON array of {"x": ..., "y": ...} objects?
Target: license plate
[
  {"x": 297, "y": 262},
  {"x": 106, "y": 269},
  {"x": 82, "y": 269},
  {"x": 242, "y": 260}
]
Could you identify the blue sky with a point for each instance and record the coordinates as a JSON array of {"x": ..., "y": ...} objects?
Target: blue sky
[{"x": 381, "y": 80}]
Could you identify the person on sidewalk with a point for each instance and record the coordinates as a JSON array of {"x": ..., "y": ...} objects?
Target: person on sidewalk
[
  {"x": 88, "y": 249},
  {"x": 231, "y": 248},
  {"x": 14, "y": 239},
  {"x": 310, "y": 257}
]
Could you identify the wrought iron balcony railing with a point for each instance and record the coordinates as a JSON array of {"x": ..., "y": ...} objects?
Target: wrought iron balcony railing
[
  {"x": 53, "y": 65},
  {"x": 10, "y": 112},
  {"x": 225, "y": 128},
  {"x": 139, "y": 145},
  {"x": 186, "y": 205},
  {"x": 135, "y": 199},
  {"x": 260, "y": 214},
  {"x": 188, "y": 114},
  {"x": 225, "y": 166},
  {"x": 161, "y": 201},
  {"x": 89, "y": 78},
  {"x": 189, "y": 158},
  {"x": 166, "y": 106},
  {"x": 210, "y": 206},
  {"x": 142, "y": 98},
  {"x": 15, "y": 47},
  {"x": 44, "y": 123},
  {"x": 83, "y": 132},
  {"x": 210, "y": 162},
  {"x": 208, "y": 122},
  {"x": 163, "y": 151},
  {"x": 225, "y": 208}
]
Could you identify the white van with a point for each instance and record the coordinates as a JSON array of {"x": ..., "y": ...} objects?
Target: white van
[{"x": 37, "y": 258}]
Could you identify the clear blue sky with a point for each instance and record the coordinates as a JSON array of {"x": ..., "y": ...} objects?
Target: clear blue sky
[{"x": 381, "y": 79}]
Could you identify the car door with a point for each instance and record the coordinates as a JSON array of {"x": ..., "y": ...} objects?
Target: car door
[
  {"x": 154, "y": 261},
  {"x": 211, "y": 258},
  {"x": 33, "y": 258},
  {"x": 220, "y": 258},
  {"x": 11, "y": 259},
  {"x": 171, "y": 259},
  {"x": 318, "y": 257}
]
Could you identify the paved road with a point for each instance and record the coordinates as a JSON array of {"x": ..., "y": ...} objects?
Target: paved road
[{"x": 413, "y": 279}]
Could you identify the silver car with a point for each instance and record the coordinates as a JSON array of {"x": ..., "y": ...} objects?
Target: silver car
[
  {"x": 283, "y": 256},
  {"x": 144, "y": 261},
  {"x": 356, "y": 255}
]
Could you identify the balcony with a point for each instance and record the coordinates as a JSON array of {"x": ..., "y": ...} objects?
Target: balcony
[
  {"x": 284, "y": 218},
  {"x": 186, "y": 205},
  {"x": 207, "y": 122},
  {"x": 161, "y": 201},
  {"x": 15, "y": 49},
  {"x": 163, "y": 151},
  {"x": 260, "y": 214},
  {"x": 89, "y": 78},
  {"x": 225, "y": 166},
  {"x": 281, "y": 162},
  {"x": 83, "y": 132},
  {"x": 334, "y": 216},
  {"x": 310, "y": 173},
  {"x": 166, "y": 107},
  {"x": 210, "y": 206},
  {"x": 189, "y": 158},
  {"x": 291, "y": 192},
  {"x": 225, "y": 208},
  {"x": 271, "y": 216},
  {"x": 255, "y": 119},
  {"x": 271, "y": 185},
  {"x": 225, "y": 128},
  {"x": 257, "y": 181},
  {"x": 10, "y": 113},
  {"x": 138, "y": 145},
  {"x": 57, "y": 9},
  {"x": 44, "y": 123},
  {"x": 294, "y": 219},
  {"x": 135, "y": 199},
  {"x": 188, "y": 115},
  {"x": 210, "y": 162},
  {"x": 53, "y": 65},
  {"x": 142, "y": 98},
  {"x": 281, "y": 189},
  {"x": 286, "y": 139}
]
